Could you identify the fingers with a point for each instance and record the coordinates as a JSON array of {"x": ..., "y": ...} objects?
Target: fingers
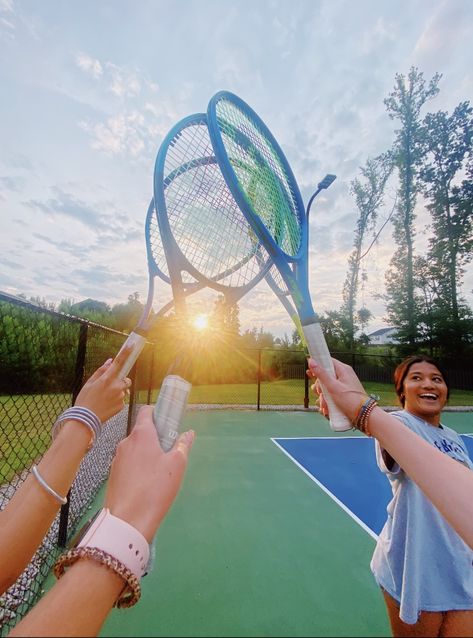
[
  {"x": 144, "y": 422},
  {"x": 99, "y": 372},
  {"x": 323, "y": 375},
  {"x": 117, "y": 363}
]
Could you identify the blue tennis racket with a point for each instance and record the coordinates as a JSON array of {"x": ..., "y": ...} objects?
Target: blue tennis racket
[
  {"x": 262, "y": 183},
  {"x": 205, "y": 236}
]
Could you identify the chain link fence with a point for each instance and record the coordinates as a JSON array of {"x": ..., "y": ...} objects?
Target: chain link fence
[{"x": 46, "y": 356}]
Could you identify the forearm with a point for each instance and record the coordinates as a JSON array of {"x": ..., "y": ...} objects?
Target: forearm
[
  {"x": 447, "y": 483},
  {"x": 76, "y": 605},
  {"x": 31, "y": 511}
]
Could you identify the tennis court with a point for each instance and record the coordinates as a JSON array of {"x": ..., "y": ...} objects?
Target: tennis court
[{"x": 255, "y": 545}]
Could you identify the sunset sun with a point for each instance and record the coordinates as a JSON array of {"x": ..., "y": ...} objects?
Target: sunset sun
[{"x": 201, "y": 322}]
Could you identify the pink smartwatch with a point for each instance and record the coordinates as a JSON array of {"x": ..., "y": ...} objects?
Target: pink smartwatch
[{"x": 117, "y": 538}]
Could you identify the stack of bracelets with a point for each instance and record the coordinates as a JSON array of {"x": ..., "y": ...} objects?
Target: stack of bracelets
[{"x": 360, "y": 422}]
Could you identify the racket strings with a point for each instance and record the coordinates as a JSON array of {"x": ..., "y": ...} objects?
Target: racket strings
[
  {"x": 204, "y": 218},
  {"x": 261, "y": 176},
  {"x": 157, "y": 250}
]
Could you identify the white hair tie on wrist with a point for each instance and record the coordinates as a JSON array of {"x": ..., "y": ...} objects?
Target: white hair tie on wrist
[{"x": 85, "y": 416}]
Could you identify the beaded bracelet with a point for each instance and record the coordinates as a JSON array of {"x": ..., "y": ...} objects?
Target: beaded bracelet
[
  {"x": 360, "y": 422},
  {"x": 132, "y": 591},
  {"x": 85, "y": 416}
]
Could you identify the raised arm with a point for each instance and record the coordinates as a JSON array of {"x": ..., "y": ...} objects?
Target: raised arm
[
  {"x": 446, "y": 482},
  {"x": 143, "y": 484},
  {"x": 31, "y": 511}
]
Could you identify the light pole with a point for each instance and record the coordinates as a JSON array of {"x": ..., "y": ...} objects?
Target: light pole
[{"x": 325, "y": 183}]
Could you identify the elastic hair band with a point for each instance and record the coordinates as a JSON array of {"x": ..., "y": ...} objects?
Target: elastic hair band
[
  {"x": 85, "y": 416},
  {"x": 47, "y": 487}
]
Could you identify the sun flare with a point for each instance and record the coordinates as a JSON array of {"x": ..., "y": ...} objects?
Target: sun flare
[{"x": 201, "y": 322}]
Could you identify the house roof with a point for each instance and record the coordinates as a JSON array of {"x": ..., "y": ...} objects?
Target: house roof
[{"x": 381, "y": 331}]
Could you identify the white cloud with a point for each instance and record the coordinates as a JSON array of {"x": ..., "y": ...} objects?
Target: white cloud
[
  {"x": 122, "y": 82},
  {"x": 92, "y": 91},
  {"x": 89, "y": 65},
  {"x": 6, "y": 6}
]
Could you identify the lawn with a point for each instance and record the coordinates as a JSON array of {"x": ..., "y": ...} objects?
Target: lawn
[{"x": 26, "y": 420}]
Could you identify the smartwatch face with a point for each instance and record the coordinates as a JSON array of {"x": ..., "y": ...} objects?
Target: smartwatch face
[{"x": 83, "y": 530}]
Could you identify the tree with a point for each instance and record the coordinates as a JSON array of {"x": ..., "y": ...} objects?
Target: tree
[
  {"x": 404, "y": 104},
  {"x": 447, "y": 146},
  {"x": 225, "y": 318},
  {"x": 126, "y": 316},
  {"x": 368, "y": 193}
]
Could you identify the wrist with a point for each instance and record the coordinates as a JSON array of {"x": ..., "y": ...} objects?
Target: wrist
[
  {"x": 80, "y": 416},
  {"x": 115, "y": 544},
  {"x": 363, "y": 413}
]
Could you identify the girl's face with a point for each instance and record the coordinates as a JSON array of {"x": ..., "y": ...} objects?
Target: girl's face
[{"x": 425, "y": 392}]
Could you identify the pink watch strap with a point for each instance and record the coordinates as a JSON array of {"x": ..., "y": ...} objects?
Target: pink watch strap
[{"x": 119, "y": 539}]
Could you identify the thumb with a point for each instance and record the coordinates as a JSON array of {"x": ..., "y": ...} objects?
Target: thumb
[{"x": 184, "y": 443}]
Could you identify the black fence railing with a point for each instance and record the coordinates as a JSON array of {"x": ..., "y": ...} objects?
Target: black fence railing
[{"x": 45, "y": 358}]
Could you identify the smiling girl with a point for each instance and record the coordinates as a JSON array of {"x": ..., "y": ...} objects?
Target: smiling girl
[{"x": 423, "y": 567}]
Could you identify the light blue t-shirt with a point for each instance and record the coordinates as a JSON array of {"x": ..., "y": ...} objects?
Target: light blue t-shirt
[{"x": 419, "y": 559}]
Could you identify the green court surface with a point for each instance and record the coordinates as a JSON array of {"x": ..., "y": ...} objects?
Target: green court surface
[{"x": 252, "y": 546}]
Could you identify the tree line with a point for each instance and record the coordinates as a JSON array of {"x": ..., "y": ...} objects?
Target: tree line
[{"x": 431, "y": 163}]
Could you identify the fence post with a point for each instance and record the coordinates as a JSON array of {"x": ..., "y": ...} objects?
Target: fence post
[
  {"x": 306, "y": 389},
  {"x": 132, "y": 399},
  {"x": 259, "y": 381},
  {"x": 78, "y": 380},
  {"x": 150, "y": 377}
]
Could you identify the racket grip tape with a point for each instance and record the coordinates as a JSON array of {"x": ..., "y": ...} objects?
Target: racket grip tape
[
  {"x": 169, "y": 409},
  {"x": 136, "y": 342},
  {"x": 318, "y": 350}
]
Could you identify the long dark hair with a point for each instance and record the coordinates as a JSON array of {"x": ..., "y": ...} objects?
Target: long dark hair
[{"x": 403, "y": 368}]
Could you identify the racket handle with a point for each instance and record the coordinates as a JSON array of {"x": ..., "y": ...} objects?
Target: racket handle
[
  {"x": 137, "y": 343},
  {"x": 170, "y": 408},
  {"x": 318, "y": 350}
]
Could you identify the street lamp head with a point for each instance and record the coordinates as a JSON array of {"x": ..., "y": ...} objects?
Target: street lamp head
[{"x": 327, "y": 180}]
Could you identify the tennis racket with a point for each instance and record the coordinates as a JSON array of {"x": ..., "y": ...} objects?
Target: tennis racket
[
  {"x": 157, "y": 267},
  {"x": 268, "y": 195},
  {"x": 205, "y": 236},
  {"x": 202, "y": 239}
]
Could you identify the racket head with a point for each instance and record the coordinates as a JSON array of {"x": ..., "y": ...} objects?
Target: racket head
[
  {"x": 203, "y": 230},
  {"x": 267, "y": 194},
  {"x": 157, "y": 264}
]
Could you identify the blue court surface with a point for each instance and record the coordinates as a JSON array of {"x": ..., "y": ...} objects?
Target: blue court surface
[{"x": 345, "y": 468}]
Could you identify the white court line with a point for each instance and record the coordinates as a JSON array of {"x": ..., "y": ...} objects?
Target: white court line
[{"x": 346, "y": 509}]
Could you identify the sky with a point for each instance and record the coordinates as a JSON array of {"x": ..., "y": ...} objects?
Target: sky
[{"x": 89, "y": 89}]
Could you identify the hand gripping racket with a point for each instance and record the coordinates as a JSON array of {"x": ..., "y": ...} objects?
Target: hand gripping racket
[{"x": 269, "y": 197}]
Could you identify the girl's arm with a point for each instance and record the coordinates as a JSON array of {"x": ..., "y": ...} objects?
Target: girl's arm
[
  {"x": 447, "y": 483},
  {"x": 31, "y": 511},
  {"x": 143, "y": 484}
]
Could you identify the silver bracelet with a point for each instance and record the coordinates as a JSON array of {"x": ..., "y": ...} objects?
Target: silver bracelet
[
  {"x": 47, "y": 487},
  {"x": 85, "y": 416}
]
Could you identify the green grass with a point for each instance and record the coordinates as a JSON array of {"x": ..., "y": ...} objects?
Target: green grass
[
  {"x": 288, "y": 392},
  {"x": 26, "y": 420},
  {"x": 25, "y": 429}
]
